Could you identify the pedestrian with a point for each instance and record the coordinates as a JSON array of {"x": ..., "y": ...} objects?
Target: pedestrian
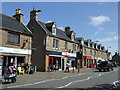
[
  {"x": 54, "y": 67},
  {"x": 67, "y": 66}
]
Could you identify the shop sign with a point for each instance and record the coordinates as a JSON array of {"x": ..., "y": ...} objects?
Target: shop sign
[
  {"x": 87, "y": 57},
  {"x": 14, "y": 50},
  {"x": 69, "y": 54},
  {"x": 71, "y": 59}
]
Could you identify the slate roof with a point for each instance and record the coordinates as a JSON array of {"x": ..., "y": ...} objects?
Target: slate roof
[
  {"x": 49, "y": 24},
  {"x": 59, "y": 33},
  {"x": 12, "y": 24}
]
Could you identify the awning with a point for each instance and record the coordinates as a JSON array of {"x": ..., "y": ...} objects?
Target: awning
[
  {"x": 53, "y": 52},
  {"x": 71, "y": 59},
  {"x": 87, "y": 57}
]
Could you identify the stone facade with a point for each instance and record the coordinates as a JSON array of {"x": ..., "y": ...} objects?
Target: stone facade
[{"x": 20, "y": 46}]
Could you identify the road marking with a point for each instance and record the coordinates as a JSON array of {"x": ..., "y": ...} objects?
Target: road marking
[
  {"x": 115, "y": 83},
  {"x": 44, "y": 81},
  {"x": 78, "y": 81},
  {"x": 15, "y": 86},
  {"x": 60, "y": 79}
]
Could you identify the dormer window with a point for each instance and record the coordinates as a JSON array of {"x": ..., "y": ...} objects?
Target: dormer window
[
  {"x": 73, "y": 36},
  {"x": 54, "y": 29}
]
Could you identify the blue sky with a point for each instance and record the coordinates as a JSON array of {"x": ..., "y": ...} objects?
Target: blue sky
[{"x": 90, "y": 20}]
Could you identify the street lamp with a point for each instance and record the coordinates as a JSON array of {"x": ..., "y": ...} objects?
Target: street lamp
[{"x": 108, "y": 52}]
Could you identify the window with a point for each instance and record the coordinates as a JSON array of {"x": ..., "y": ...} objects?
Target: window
[
  {"x": 74, "y": 47},
  {"x": 54, "y": 29},
  {"x": 13, "y": 38},
  {"x": 95, "y": 53},
  {"x": 55, "y": 43},
  {"x": 65, "y": 45},
  {"x": 73, "y": 37},
  {"x": 84, "y": 51},
  {"x": 91, "y": 52}
]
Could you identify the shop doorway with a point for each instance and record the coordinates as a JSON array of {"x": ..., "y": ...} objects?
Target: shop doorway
[
  {"x": 62, "y": 64},
  {"x": 55, "y": 61}
]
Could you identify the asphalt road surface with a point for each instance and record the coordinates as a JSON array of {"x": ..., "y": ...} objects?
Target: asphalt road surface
[{"x": 96, "y": 79}]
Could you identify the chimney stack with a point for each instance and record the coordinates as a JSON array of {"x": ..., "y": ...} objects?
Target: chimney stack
[
  {"x": 67, "y": 29},
  {"x": 18, "y": 15},
  {"x": 34, "y": 14}
]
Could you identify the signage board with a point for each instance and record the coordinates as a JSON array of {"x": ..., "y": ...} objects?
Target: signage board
[
  {"x": 14, "y": 50},
  {"x": 69, "y": 54}
]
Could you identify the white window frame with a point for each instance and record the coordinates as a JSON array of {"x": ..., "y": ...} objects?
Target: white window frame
[{"x": 54, "y": 29}]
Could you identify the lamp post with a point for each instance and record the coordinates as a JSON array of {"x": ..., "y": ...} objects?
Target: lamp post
[{"x": 108, "y": 52}]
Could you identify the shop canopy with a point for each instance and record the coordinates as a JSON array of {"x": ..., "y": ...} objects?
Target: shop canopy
[
  {"x": 71, "y": 59},
  {"x": 87, "y": 57}
]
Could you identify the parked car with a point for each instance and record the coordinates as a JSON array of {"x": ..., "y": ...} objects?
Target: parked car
[
  {"x": 118, "y": 63},
  {"x": 105, "y": 66},
  {"x": 115, "y": 64}
]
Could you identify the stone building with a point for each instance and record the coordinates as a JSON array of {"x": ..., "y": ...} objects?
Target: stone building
[
  {"x": 51, "y": 45},
  {"x": 91, "y": 52},
  {"x": 116, "y": 57},
  {"x": 15, "y": 41}
]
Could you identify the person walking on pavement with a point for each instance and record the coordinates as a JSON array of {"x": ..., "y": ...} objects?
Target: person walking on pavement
[{"x": 67, "y": 66}]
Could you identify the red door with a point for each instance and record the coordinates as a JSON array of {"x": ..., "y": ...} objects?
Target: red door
[{"x": 51, "y": 60}]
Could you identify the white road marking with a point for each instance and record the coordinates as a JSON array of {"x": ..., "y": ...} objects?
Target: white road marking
[
  {"x": 79, "y": 81},
  {"x": 44, "y": 81},
  {"x": 115, "y": 83},
  {"x": 60, "y": 79}
]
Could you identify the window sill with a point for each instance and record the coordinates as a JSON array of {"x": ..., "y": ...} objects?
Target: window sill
[
  {"x": 55, "y": 48},
  {"x": 13, "y": 44}
]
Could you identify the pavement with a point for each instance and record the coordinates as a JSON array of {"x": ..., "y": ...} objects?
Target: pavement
[{"x": 41, "y": 76}]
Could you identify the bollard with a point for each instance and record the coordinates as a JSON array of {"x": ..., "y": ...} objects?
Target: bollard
[{"x": 35, "y": 68}]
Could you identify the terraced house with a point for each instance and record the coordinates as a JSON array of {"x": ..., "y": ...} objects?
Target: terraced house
[
  {"x": 15, "y": 40},
  {"x": 51, "y": 45},
  {"x": 91, "y": 52}
]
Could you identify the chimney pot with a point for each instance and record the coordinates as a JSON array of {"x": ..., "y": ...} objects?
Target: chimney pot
[
  {"x": 18, "y": 11},
  {"x": 67, "y": 29},
  {"x": 18, "y": 15},
  {"x": 34, "y": 14}
]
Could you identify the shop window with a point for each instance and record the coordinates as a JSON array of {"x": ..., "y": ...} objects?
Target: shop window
[
  {"x": 84, "y": 62},
  {"x": 13, "y": 38}
]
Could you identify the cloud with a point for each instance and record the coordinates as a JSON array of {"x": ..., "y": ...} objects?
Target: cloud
[
  {"x": 108, "y": 39},
  {"x": 112, "y": 33},
  {"x": 60, "y": 27},
  {"x": 98, "y": 20},
  {"x": 49, "y": 21},
  {"x": 100, "y": 29}
]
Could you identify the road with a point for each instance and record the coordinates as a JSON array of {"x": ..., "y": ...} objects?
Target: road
[{"x": 83, "y": 80}]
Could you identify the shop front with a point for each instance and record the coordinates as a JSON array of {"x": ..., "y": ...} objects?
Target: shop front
[
  {"x": 14, "y": 56},
  {"x": 88, "y": 61},
  {"x": 71, "y": 57},
  {"x": 56, "y": 59}
]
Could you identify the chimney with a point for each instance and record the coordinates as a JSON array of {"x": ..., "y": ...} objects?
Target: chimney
[
  {"x": 34, "y": 14},
  {"x": 67, "y": 29},
  {"x": 18, "y": 15}
]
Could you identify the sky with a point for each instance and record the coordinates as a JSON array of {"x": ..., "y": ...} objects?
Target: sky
[{"x": 90, "y": 20}]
